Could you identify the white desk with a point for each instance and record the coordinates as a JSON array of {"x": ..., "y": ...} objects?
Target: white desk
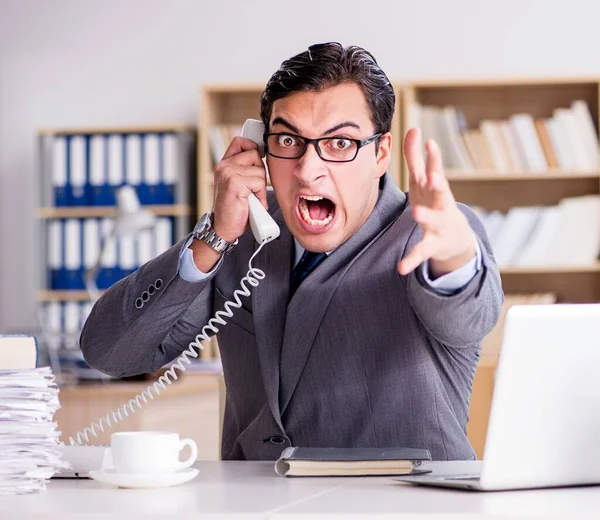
[{"x": 253, "y": 490}]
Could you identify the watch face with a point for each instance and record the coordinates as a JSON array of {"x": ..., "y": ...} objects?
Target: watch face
[
  {"x": 202, "y": 223},
  {"x": 203, "y": 231}
]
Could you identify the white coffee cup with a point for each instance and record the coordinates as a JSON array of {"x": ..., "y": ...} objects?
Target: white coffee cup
[{"x": 150, "y": 452}]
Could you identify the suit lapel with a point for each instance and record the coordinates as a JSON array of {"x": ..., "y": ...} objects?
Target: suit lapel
[
  {"x": 305, "y": 312},
  {"x": 269, "y": 307}
]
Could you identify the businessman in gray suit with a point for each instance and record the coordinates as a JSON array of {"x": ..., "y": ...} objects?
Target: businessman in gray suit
[{"x": 366, "y": 330}]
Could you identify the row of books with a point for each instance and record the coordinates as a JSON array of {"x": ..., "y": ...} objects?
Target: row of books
[
  {"x": 522, "y": 143},
  {"x": 566, "y": 234},
  {"x": 86, "y": 169},
  {"x": 74, "y": 246}
]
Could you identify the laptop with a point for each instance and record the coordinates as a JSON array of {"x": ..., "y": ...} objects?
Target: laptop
[{"x": 544, "y": 428}]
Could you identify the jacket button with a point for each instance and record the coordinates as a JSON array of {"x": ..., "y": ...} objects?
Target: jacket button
[
  {"x": 158, "y": 284},
  {"x": 139, "y": 303},
  {"x": 277, "y": 439}
]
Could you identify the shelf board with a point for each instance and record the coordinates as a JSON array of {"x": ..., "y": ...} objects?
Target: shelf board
[
  {"x": 491, "y": 175},
  {"x": 178, "y": 210},
  {"x": 552, "y": 269},
  {"x": 501, "y": 81},
  {"x": 66, "y": 295},
  {"x": 234, "y": 88},
  {"x": 175, "y": 128}
]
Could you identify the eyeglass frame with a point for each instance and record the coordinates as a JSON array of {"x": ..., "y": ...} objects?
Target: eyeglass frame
[{"x": 360, "y": 143}]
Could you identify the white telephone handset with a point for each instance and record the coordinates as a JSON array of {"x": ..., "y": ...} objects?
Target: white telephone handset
[
  {"x": 264, "y": 229},
  {"x": 263, "y": 226}
]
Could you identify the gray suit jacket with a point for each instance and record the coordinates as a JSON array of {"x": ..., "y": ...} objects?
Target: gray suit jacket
[{"x": 360, "y": 356}]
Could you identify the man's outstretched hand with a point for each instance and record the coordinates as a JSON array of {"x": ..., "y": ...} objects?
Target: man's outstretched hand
[{"x": 448, "y": 242}]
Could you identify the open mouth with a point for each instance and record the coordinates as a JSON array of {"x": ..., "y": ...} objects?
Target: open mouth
[{"x": 316, "y": 211}]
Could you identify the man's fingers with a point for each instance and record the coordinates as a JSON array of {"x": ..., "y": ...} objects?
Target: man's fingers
[
  {"x": 434, "y": 159},
  {"x": 414, "y": 157},
  {"x": 427, "y": 217},
  {"x": 436, "y": 179},
  {"x": 239, "y": 144},
  {"x": 256, "y": 184},
  {"x": 261, "y": 195},
  {"x": 424, "y": 250}
]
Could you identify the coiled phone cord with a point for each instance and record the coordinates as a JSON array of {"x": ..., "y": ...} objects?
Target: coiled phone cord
[{"x": 252, "y": 278}]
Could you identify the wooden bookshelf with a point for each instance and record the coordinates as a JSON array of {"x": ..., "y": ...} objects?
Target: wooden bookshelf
[
  {"x": 167, "y": 128},
  {"x": 175, "y": 210},
  {"x": 490, "y": 175},
  {"x": 489, "y": 99},
  {"x": 497, "y": 100},
  {"x": 395, "y": 167},
  {"x": 53, "y": 301},
  {"x": 221, "y": 105},
  {"x": 63, "y": 296},
  {"x": 552, "y": 269}
]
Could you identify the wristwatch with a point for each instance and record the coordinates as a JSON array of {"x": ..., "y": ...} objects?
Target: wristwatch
[{"x": 204, "y": 231}]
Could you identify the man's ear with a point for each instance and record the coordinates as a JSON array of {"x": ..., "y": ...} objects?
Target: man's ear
[{"x": 384, "y": 153}]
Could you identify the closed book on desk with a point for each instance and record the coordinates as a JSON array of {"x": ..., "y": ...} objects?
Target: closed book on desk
[
  {"x": 320, "y": 462},
  {"x": 18, "y": 352}
]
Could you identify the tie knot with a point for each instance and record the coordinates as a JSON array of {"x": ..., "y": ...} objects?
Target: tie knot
[
  {"x": 310, "y": 260},
  {"x": 306, "y": 264}
]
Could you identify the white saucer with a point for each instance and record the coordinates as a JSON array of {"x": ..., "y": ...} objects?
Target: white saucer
[{"x": 143, "y": 480}]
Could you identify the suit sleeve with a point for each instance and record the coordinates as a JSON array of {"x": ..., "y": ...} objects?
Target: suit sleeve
[
  {"x": 466, "y": 316},
  {"x": 131, "y": 328}
]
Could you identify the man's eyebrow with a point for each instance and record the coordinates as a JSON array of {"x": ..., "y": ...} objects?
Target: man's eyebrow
[
  {"x": 342, "y": 125},
  {"x": 282, "y": 121}
]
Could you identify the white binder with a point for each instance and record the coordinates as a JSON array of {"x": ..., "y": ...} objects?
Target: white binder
[
  {"x": 115, "y": 161},
  {"x": 163, "y": 235},
  {"x": 108, "y": 262},
  {"x": 98, "y": 171},
  {"x": 170, "y": 166},
  {"x": 133, "y": 156},
  {"x": 59, "y": 170},
  {"x": 73, "y": 253},
  {"x": 53, "y": 324},
  {"x": 55, "y": 254},
  {"x": 126, "y": 254},
  {"x": 91, "y": 242},
  {"x": 77, "y": 162},
  {"x": 145, "y": 247},
  {"x": 151, "y": 175},
  {"x": 72, "y": 321}
]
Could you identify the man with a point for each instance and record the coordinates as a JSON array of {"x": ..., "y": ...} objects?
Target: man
[{"x": 378, "y": 344}]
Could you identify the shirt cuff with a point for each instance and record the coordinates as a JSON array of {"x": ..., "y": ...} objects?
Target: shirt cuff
[
  {"x": 187, "y": 267},
  {"x": 454, "y": 281}
]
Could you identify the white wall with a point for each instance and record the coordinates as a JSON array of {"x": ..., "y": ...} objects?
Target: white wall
[{"x": 112, "y": 62}]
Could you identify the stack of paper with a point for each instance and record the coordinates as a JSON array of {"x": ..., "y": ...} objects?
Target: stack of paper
[{"x": 29, "y": 439}]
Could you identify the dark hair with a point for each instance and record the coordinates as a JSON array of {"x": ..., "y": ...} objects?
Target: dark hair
[{"x": 327, "y": 65}]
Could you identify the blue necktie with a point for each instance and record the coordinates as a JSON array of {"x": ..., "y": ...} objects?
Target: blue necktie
[{"x": 306, "y": 264}]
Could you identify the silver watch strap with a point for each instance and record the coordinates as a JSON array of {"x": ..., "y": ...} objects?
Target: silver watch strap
[{"x": 208, "y": 235}]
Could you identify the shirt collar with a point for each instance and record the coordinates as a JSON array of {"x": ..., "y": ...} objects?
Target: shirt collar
[{"x": 299, "y": 251}]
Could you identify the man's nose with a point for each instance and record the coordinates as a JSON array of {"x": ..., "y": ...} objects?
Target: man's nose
[{"x": 310, "y": 166}]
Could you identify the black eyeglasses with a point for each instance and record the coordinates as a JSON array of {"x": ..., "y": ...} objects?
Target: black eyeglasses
[{"x": 284, "y": 145}]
